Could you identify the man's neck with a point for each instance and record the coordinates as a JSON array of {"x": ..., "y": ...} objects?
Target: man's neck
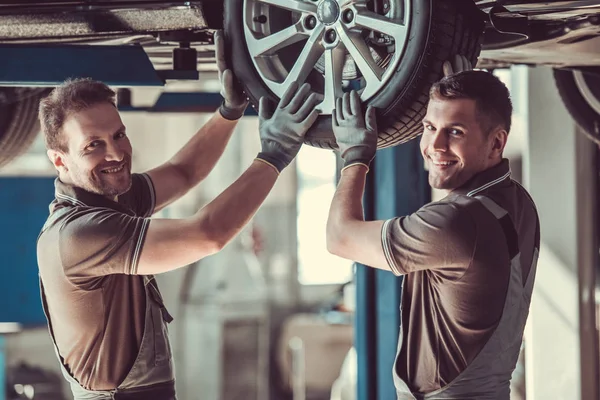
[{"x": 67, "y": 181}]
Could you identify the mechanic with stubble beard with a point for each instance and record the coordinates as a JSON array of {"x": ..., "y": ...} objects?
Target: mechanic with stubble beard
[
  {"x": 99, "y": 249},
  {"x": 468, "y": 260}
]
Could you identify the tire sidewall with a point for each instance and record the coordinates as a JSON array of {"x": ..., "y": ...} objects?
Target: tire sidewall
[
  {"x": 239, "y": 57},
  {"x": 412, "y": 58},
  {"x": 578, "y": 107}
]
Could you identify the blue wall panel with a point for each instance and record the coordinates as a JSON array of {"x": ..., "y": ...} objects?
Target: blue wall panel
[{"x": 23, "y": 210}]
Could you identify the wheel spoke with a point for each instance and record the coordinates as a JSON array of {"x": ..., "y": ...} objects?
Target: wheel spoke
[
  {"x": 307, "y": 59},
  {"x": 293, "y": 5},
  {"x": 334, "y": 67},
  {"x": 379, "y": 23},
  {"x": 361, "y": 54},
  {"x": 279, "y": 40}
]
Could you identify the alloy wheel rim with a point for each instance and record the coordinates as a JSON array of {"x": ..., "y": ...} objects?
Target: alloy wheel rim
[{"x": 335, "y": 45}]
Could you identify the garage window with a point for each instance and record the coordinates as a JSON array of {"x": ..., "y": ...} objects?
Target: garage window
[{"x": 316, "y": 169}]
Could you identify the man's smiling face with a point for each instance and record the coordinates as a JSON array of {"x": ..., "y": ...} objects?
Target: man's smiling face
[
  {"x": 99, "y": 153},
  {"x": 453, "y": 144}
]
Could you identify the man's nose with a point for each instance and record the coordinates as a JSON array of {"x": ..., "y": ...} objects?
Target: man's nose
[
  {"x": 439, "y": 141},
  {"x": 114, "y": 152}
]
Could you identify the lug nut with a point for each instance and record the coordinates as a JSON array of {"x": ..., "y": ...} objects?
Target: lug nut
[
  {"x": 261, "y": 19},
  {"x": 330, "y": 36},
  {"x": 348, "y": 16},
  {"x": 310, "y": 22}
]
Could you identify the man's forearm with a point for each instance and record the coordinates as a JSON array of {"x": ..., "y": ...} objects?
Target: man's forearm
[
  {"x": 226, "y": 215},
  {"x": 174, "y": 243},
  {"x": 346, "y": 206},
  {"x": 202, "y": 152}
]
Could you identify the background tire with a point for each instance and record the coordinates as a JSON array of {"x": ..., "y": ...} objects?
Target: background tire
[
  {"x": 439, "y": 29},
  {"x": 19, "y": 124},
  {"x": 580, "y": 93}
]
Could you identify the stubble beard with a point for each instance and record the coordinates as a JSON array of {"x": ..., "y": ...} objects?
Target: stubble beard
[
  {"x": 95, "y": 182},
  {"x": 108, "y": 190},
  {"x": 447, "y": 182}
]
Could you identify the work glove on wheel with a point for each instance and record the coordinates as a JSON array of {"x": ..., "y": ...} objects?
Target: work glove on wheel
[
  {"x": 356, "y": 135},
  {"x": 234, "y": 100},
  {"x": 282, "y": 131}
]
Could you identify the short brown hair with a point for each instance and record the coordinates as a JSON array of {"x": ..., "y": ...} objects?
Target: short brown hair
[
  {"x": 490, "y": 94},
  {"x": 71, "y": 96}
]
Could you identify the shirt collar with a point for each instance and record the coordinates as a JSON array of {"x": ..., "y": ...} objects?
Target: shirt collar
[
  {"x": 69, "y": 195},
  {"x": 498, "y": 174}
]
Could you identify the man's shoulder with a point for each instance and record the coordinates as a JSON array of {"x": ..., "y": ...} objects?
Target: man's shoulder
[
  {"x": 91, "y": 242},
  {"x": 447, "y": 219},
  {"x": 73, "y": 229},
  {"x": 524, "y": 195},
  {"x": 62, "y": 216},
  {"x": 452, "y": 208},
  {"x": 506, "y": 197}
]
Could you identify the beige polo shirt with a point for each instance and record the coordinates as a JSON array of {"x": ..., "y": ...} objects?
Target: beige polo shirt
[
  {"x": 87, "y": 261},
  {"x": 455, "y": 258}
]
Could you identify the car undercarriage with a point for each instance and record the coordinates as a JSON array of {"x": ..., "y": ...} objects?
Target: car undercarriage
[
  {"x": 517, "y": 32},
  {"x": 334, "y": 45}
]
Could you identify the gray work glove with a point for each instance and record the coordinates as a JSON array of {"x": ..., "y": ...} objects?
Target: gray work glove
[
  {"x": 234, "y": 100},
  {"x": 282, "y": 132},
  {"x": 356, "y": 135},
  {"x": 460, "y": 64}
]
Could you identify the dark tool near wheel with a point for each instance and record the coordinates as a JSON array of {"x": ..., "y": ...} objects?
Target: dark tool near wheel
[
  {"x": 580, "y": 92},
  {"x": 19, "y": 124},
  {"x": 391, "y": 51}
]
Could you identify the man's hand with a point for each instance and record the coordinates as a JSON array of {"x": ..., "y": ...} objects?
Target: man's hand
[
  {"x": 460, "y": 64},
  {"x": 234, "y": 101},
  {"x": 356, "y": 135},
  {"x": 282, "y": 132}
]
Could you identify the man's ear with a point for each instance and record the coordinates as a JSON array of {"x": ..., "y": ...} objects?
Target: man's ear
[
  {"x": 57, "y": 158},
  {"x": 499, "y": 138}
]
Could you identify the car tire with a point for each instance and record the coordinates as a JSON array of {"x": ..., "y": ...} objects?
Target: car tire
[
  {"x": 580, "y": 93},
  {"x": 438, "y": 30},
  {"x": 19, "y": 124}
]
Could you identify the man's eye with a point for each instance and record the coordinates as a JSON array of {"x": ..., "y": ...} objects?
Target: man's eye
[
  {"x": 93, "y": 144},
  {"x": 456, "y": 132},
  {"x": 429, "y": 128},
  {"x": 120, "y": 135}
]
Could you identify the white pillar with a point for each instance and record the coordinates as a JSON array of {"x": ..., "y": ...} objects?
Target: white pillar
[{"x": 554, "y": 154}]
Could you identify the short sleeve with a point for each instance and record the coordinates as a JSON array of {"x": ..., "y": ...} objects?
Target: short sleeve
[
  {"x": 141, "y": 197},
  {"x": 101, "y": 242},
  {"x": 438, "y": 236}
]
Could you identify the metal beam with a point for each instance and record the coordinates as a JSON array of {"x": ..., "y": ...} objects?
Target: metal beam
[
  {"x": 401, "y": 189},
  {"x": 51, "y": 64},
  {"x": 183, "y": 102},
  {"x": 365, "y": 329},
  {"x": 396, "y": 186}
]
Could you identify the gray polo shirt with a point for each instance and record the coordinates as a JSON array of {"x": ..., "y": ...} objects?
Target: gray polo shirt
[
  {"x": 456, "y": 260},
  {"x": 87, "y": 261}
]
